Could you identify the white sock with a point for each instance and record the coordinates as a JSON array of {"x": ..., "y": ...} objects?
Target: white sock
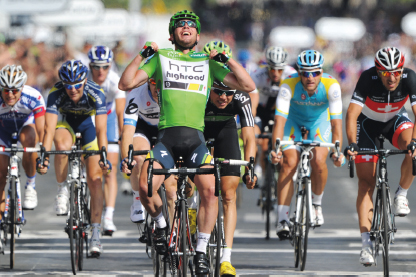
[
  {"x": 226, "y": 255},
  {"x": 202, "y": 243},
  {"x": 160, "y": 221},
  {"x": 365, "y": 239},
  {"x": 62, "y": 187},
  {"x": 136, "y": 196},
  {"x": 317, "y": 199},
  {"x": 109, "y": 211},
  {"x": 401, "y": 191},
  {"x": 95, "y": 230},
  {"x": 30, "y": 181},
  {"x": 283, "y": 212}
]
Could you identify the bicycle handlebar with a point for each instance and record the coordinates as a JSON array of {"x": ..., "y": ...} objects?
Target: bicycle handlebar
[
  {"x": 306, "y": 142},
  {"x": 383, "y": 153},
  {"x": 132, "y": 153},
  {"x": 24, "y": 149}
]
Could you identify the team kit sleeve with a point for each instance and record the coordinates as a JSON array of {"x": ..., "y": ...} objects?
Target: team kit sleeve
[
  {"x": 100, "y": 102},
  {"x": 131, "y": 111},
  {"x": 218, "y": 70},
  {"x": 411, "y": 83},
  {"x": 53, "y": 101},
  {"x": 283, "y": 100},
  {"x": 244, "y": 109},
  {"x": 150, "y": 65},
  {"x": 335, "y": 101},
  {"x": 37, "y": 103},
  {"x": 358, "y": 96}
]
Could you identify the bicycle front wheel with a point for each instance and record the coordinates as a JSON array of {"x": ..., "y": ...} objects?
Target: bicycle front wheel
[
  {"x": 219, "y": 237},
  {"x": 12, "y": 216},
  {"x": 183, "y": 240},
  {"x": 304, "y": 224},
  {"x": 386, "y": 229},
  {"x": 268, "y": 186},
  {"x": 71, "y": 231}
]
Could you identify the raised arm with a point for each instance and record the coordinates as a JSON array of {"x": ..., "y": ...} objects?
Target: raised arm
[{"x": 239, "y": 77}]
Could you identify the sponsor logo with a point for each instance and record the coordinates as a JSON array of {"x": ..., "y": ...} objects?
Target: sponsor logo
[
  {"x": 404, "y": 75},
  {"x": 163, "y": 153},
  {"x": 198, "y": 55},
  {"x": 95, "y": 96},
  {"x": 374, "y": 77},
  {"x": 148, "y": 103},
  {"x": 337, "y": 93},
  {"x": 194, "y": 157},
  {"x": 303, "y": 96},
  {"x": 241, "y": 97},
  {"x": 309, "y": 103},
  {"x": 132, "y": 107},
  {"x": 358, "y": 97}
]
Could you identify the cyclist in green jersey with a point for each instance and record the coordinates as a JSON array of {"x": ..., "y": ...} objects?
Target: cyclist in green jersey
[{"x": 183, "y": 80}]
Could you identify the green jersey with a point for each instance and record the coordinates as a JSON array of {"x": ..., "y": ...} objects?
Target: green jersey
[{"x": 183, "y": 83}]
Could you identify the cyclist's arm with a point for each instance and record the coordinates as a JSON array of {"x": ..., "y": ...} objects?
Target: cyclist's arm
[
  {"x": 51, "y": 120},
  {"x": 254, "y": 95},
  {"x": 239, "y": 77},
  {"x": 40, "y": 126},
  {"x": 354, "y": 110},
  {"x": 278, "y": 129},
  {"x": 101, "y": 130},
  {"x": 249, "y": 140},
  {"x": 126, "y": 139},
  {"x": 282, "y": 112},
  {"x": 120, "y": 104}
]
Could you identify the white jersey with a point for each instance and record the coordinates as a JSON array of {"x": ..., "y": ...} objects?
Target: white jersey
[
  {"x": 264, "y": 84},
  {"x": 141, "y": 105},
  {"x": 111, "y": 90}
]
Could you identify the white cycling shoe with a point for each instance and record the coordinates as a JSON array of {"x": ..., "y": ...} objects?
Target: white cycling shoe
[
  {"x": 401, "y": 206},
  {"x": 137, "y": 212},
  {"x": 319, "y": 216},
  {"x": 108, "y": 227},
  {"x": 95, "y": 247},
  {"x": 31, "y": 199},
  {"x": 283, "y": 230},
  {"x": 366, "y": 257},
  {"x": 125, "y": 188},
  {"x": 62, "y": 201}
]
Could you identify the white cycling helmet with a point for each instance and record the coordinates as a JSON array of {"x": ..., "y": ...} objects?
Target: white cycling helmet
[
  {"x": 12, "y": 76},
  {"x": 389, "y": 58},
  {"x": 276, "y": 57}
]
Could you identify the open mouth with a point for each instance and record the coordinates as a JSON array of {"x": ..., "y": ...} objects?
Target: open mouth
[{"x": 186, "y": 33}]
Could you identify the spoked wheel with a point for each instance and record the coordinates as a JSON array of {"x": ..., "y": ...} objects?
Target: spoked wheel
[
  {"x": 72, "y": 233},
  {"x": 219, "y": 240},
  {"x": 12, "y": 216},
  {"x": 304, "y": 226},
  {"x": 212, "y": 251},
  {"x": 295, "y": 237},
  {"x": 268, "y": 187},
  {"x": 183, "y": 240},
  {"x": 386, "y": 229}
]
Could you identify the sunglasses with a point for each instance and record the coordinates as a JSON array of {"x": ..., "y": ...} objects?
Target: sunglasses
[
  {"x": 13, "y": 90},
  {"x": 182, "y": 23},
  {"x": 275, "y": 69},
  {"x": 152, "y": 81},
  {"x": 395, "y": 73},
  {"x": 308, "y": 74},
  {"x": 75, "y": 86},
  {"x": 97, "y": 67},
  {"x": 221, "y": 92}
]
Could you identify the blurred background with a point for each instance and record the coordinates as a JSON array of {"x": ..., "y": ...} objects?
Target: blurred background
[{"x": 41, "y": 34}]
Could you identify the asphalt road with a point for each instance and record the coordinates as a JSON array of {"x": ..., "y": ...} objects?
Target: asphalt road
[{"x": 43, "y": 247}]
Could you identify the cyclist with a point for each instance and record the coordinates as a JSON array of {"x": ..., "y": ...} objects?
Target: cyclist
[
  {"x": 22, "y": 110},
  {"x": 377, "y": 107},
  {"x": 141, "y": 117},
  {"x": 267, "y": 81},
  {"x": 183, "y": 80},
  {"x": 223, "y": 105},
  {"x": 100, "y": 72},
  {"x": 312, "y": 99},
  {"x": 76, "y": 104}
]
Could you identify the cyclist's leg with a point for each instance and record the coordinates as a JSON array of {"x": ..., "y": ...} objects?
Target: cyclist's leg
[
  {"x": 28, "y": 138},
  {"x": 229, "y": 186},
  {"x": 4, "y": 160}
]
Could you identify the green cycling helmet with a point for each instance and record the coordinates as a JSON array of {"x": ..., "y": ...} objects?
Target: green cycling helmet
[
  {"x": 218, "y": 45},
  {"x": 185, "y": 14}
]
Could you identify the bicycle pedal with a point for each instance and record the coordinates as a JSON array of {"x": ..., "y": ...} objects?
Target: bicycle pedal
[
  {"x": 108, "y": 233},
  {"x": 95, "y": 255},
  {"x": 143, "y": 239}
]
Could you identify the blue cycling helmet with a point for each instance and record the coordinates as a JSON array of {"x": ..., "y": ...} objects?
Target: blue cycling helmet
[
  {"x": 100, "y": 54},
  {"x": 73, "y": 71},
  {"x": 310, "y": 60}
]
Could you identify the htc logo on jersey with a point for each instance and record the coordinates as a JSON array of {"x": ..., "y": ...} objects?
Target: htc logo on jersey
[{"x": 188, "y": 69}]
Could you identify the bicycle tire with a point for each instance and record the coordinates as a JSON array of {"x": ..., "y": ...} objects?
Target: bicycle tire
[
  {"x": 304, "y": 226},
  {"x": 86, "y": 221},
  {"x": 386, "y": 229},
  {"x": 183, "y": 240},
  {"x": 164, "y": 260},
  {"x": 80, "y": 229},
  {"x": 268, "y": 184},
  {"x": 219, "y": 238},
  {"x": 12, "y": 216},
  {"x": 375, "y": 231},
  {"x": 295, "y": 231},
  {"x": 72, "y": 238},
  {"x": 212, "y": 251}
]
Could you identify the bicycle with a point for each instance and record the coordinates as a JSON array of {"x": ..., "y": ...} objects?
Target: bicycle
[
  {"x": 383, "y": 225},
  {"x": 13, "y": 216},
  {"x": 79, "y": 217},
  {"x": 180, "y": 246},
  {"x": 303, "y": 214},
  {"x": 268, "y": 199}
]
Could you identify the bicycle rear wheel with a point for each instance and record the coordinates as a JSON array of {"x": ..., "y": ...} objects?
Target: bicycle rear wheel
[
  {"x": 385, "y": 229},
  {"x": 268, "y": 183},
  {"x": 183, "y": 240},
  {"x": 304, "y": 224},
  {"x": 71, "y": 231},
  {"x": 12, "y": 216}
]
